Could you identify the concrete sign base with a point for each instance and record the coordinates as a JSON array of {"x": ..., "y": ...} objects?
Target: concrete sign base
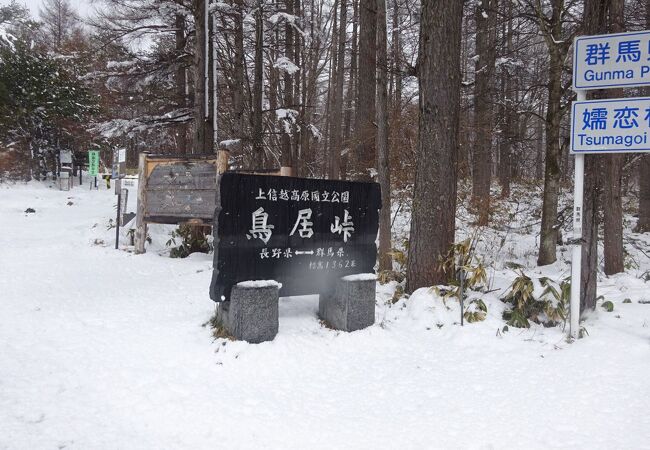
[
  {"x": 350, "y": 306},
  {"x": 251, "y": 315}
]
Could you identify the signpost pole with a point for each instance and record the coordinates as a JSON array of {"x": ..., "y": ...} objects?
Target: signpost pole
[
  {"x": 576, "y": 254},
  {"x": 117, "y": 220},
  {"x": 141, "y": 225}
]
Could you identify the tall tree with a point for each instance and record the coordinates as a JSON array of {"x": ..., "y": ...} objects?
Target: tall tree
[
  {"x": 258, "y": 86},
  {"x": 383, "y": 169},
  {"x": 336, "y": 134},
  {"x": 203, "y": 86},
  {"x": 486, "y": 31},
  {"x": 350, "y": 94},
  {"x": 366, "y": 89},
  {"x": 288, "y": 154},
  {"x": 612, "y": 192},
  {"x": 180, "y": 38},
  {"x": 434, "y": 196},
  {"x": 643, "y": 224},
  {"x": 558, "y": 41},
  {"x": 596, "y": 13},
  {"x": 507, "y": 116},
  {"x": 59, "y": 20}
]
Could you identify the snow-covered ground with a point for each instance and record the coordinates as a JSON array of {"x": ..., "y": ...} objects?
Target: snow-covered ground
[{"x": 103, "y": 349}]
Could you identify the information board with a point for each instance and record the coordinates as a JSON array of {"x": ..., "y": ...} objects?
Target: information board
[
  {"x": 611, "y": 126},
  {"x": 179, "y": 190},
  {"x": 119, "y": 164},
  {"x": 93, "y": 163},
  {"x": 611, "y": 60},
  {"x": 303, "y": 233}
]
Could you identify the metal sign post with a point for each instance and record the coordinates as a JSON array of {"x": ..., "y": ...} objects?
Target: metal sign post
[
  {"x": 118, "y": 172},
  {"x": 576, "y": 253},
  {"x": 118, "y": 190}
]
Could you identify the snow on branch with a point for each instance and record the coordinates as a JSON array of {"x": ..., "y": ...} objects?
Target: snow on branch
[
  {"x": 286, "y": 65},
  {"x": 128, "y": 127},
  {"x": 7, "y": 38}
]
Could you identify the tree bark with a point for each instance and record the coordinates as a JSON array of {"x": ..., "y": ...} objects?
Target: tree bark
[
  {"x": 483, "y": 103},
  {"x": 203, "y": 127},
  {"x": 595, "y": 22},
  {"x": 383, "y": 169},
  {"x": 434, "y": 198},
  {"x": 180, "y": 80},
  {"x": 396, "y": 44},
  {"x": 258, "y": 86},
  {"x": 509, "y": 118},
  {"x": 643, "y": 225},
  {"x": 350, "y": 94},
  {"x": 365, "y": 128},
  {"x": 612, "y": 198},
  {"x": 557, "y": 49},
  {"x": 239, "y": 117},
  {"x": 337, "y": 98}
]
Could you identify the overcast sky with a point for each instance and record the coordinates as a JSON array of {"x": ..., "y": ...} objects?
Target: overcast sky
[{"x": 82, "y": 6}]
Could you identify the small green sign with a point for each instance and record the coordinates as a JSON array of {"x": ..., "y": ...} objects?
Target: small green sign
[{"x": 93, "y": 163}]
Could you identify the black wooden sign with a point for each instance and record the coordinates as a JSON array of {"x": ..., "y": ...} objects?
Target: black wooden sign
[{"x": 303, "y": 233}]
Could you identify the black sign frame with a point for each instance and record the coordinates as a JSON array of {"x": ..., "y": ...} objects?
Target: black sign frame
[{"x": 304, "y": 233}]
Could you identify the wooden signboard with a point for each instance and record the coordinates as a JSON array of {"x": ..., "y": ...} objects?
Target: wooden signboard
[
  {"x": 178, "y": 190},
  {"x": 175, "y": 190}
]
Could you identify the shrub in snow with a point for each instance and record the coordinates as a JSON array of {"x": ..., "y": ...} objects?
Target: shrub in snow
[
  {"x": 476, "y": 311},
  {"x": 608, "y": 306},
  {"x": 541, "y": 301},
  {"x": 188, "y": 239}
]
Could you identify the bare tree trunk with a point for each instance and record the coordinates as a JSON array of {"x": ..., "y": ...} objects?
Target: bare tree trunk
[
  {"x": 383, "y": 169},
  {"x": 287, "y": 161},
  {"x": 396, "y": 59},
  {"x": 509, "y": 119},
  {"x": 539, "y": 160},
  {"x": 365, "y": 128},
  {"x": 203, "y": 127},
  {"x": 595, "y": 22},
  {"x": 258, "y": 82},
  {"x": 350, "y": 94},
  {"x": 336, "y": 137},
  {"x": 552, "y": 171},
  {"x": 434, "y": 198},
  {"x": 298, "y": 55},
  {"x": 180, "y": 80},
  {"x": 643, "y": 225},
  {"x": 483, "y": 114},
  {"x": 239, "y": 117},
  {"x": 612, "y": 198},
  {"x": 331, "y": 83}
]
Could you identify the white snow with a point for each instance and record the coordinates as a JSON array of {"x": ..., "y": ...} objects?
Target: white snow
[
  {"x": 250, "y": 284},
  {"x": 103, "y": 349},
  {"x": 7, "y": 38},
  {"x": 361, "y": 277},
  {"x": 285, "y": 64}
]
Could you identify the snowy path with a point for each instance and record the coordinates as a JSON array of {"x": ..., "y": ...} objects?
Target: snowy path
[{"x": 101, "y": 349}]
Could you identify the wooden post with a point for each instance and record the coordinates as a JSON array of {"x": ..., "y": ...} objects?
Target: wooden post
[
  {"x": 286, "y": 171},
  {"x": 141, "y": 225},
  {"x": 222, "y": 161}
]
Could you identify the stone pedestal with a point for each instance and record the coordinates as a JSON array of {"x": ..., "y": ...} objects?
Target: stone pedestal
[
  {"x": 350, "y": 305},
  {"x": 251, "y": 315}
]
